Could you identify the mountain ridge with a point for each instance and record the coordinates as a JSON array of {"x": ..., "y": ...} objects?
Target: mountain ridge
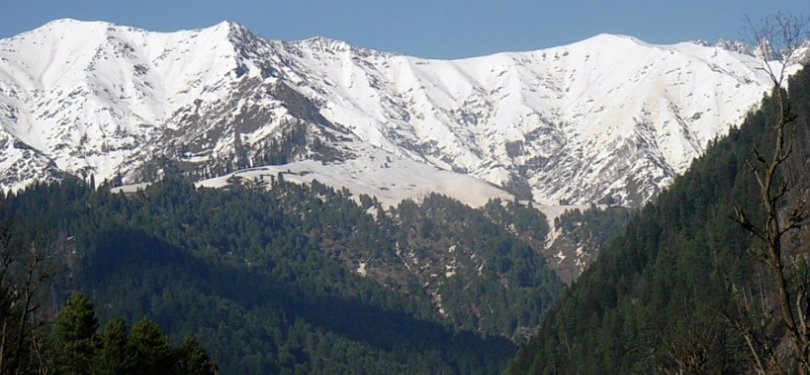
[{"x": 552, "y": 125}]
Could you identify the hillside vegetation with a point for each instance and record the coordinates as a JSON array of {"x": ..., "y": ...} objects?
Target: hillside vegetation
[
  {"x": 661, "y": 297},
  {"x": 299, "y": 279}
]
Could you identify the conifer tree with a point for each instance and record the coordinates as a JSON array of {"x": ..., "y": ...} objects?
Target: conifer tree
[
  {"x": 151, "y": 347},
  {"x": 75, "y": 332},
  {"x": 192, "y": 359},
  {"x": 115, "y": 356}
]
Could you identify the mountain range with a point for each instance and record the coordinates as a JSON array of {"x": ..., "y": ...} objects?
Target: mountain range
[{"x": 608, "y": 120}]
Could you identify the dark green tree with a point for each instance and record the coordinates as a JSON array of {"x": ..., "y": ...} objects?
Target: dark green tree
[
  {"x": 75, "y": 332},
  {"x": 191, "y": 358},
  {"x": 115, "y": 356},
  {"x": 151, "y": 347}
]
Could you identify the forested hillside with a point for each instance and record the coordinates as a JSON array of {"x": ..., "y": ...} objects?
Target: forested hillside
[
  {"x": 298, "y": 279},
  {"x": 578, "y": 235},
  {"x": 678, "y": 291}
]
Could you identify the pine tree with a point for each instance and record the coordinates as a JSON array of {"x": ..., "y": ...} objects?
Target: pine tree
[
  {"x": 75, "y": 331},
  {"x": 151, "y": 347},
  {"x": 116, "y": 356},
  {"x": 191, "y": 358}
]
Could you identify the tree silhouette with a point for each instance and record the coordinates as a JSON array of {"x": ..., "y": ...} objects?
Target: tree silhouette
[{"x": 779, "y": 40}]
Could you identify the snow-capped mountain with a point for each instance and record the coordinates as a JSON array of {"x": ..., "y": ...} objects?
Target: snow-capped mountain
[{"x": 609, "y": 120}]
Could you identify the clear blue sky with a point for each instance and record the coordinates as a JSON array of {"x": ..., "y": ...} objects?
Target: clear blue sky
[{"x": 425, "y": 28}]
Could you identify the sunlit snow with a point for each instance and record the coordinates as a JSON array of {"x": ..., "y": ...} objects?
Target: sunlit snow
[{"x": 574, "y": 124}]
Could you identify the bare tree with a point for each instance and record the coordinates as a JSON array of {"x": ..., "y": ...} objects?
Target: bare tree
[
  {"x": 689, "y": 349},
  {"x": 779, "y": 46},
  {"x": 23, "y": 274}
]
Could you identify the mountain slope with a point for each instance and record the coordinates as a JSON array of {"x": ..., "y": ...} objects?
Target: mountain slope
[
  {"x": 660, "y": 298},
  {"x": 299, "y": 278},
  {"x": 555, "y": 125}
]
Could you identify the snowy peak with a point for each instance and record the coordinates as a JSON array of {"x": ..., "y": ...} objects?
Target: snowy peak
[
  {"x": 327, "y": 45},
  {"x": 734, "y": 46},
  {"x": 610, "y": 119},
  {"x": 86, "y": 94},
  {"x": 602, "y": 99},
  {"x": 608, "y": 41}
]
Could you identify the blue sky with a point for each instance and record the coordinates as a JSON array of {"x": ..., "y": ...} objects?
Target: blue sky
[{"x": 425, "y": 28}]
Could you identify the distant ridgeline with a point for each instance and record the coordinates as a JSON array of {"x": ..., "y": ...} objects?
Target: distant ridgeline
[
  {"x": 657, "y": 299},
  {"x": 300, "y": 279}
]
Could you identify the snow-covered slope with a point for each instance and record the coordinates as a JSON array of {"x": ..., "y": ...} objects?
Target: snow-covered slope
[
  {"x": 385, "y": 177},
  {"x": 609, "y": 119}
]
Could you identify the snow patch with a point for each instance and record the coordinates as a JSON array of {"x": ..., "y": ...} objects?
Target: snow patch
[
  {"x": 560, "y": 257},
  {"x": 361, "y": 269},
  {"x": 387, "y": 177}
]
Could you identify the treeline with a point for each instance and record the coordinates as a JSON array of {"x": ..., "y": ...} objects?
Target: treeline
[
  {"x": 579, "y": 235},
  {"x": 664, "y": 297},
  {"x": 594, "y": 227},
  {"x": 267, "y": 281},
  {"x": 485, "y": 278}
]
